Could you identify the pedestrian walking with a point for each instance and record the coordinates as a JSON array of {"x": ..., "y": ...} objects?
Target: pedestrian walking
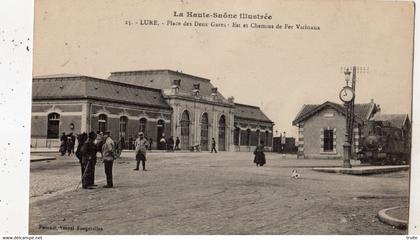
[
  {"x": 81, "y": 139},
  {"x": 140, "y": 152},
  {"x": 89, "y": 150},
  {"x": 213, "y": 145},
  {"x": 150, "y": 144},
  {"x": 177, "y": 141},
  {"x": 108, "y": 157},
  {"x": 259, "y": 158}
]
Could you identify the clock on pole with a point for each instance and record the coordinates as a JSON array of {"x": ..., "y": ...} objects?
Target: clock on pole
[{"x": 346, "y": 94}]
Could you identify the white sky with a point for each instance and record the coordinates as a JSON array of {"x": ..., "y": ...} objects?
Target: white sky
[{"x": 277, "y": 70}]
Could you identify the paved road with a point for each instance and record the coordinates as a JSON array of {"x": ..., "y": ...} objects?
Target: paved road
[{"x": 203, "y": 193}]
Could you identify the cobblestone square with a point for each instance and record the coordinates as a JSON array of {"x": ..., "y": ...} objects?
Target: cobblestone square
[{"x": 203, "y": 193}]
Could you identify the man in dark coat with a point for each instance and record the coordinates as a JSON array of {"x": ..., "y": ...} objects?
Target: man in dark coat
[
  {"x": 63, "y": 145},
  {"x": 213, "y": 145},
  {"x": 89, "y": 150},
  {"x": 81, "y": 139},
  {"x": 177, "y": 141}
]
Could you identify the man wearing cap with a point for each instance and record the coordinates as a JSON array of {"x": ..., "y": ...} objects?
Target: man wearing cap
[
  {"x": 108, "y": 157},
  {"x": 88, "y": 153},
  {"x": 141, "y": 146}
]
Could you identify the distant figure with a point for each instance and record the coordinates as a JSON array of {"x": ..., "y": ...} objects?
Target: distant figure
[
  {"x": 162, "y": 143},
  {"x": 213, "y": 145},
  {"x": 140, "y": 152},
  {"x": 150, "y": 144},
  {"x": 122, "y": 141},
  {"x": 63, "y": 145},
  {"x": 259, "y": 158},
  {"x": 89, "y": 151},
  {"x": 177, "y": 143},
  {"x": 71, "y": 140},
  {"x": 108, "y": 157},
  {"x": 170, "y": 144}
]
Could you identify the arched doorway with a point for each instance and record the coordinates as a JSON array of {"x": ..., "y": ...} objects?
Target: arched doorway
[
  {"x": 185, "y": 130},
  {"x": 160, "y": 133},
  {"x": 53, "y": 125},
  {"x": 222, "y": 133},
  {"x": 204, "y": 132}
]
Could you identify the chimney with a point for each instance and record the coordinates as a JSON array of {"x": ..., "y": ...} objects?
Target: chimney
[
  {"x": 196, "y": 89},
  {"x": 214, "y": 93},
  {"x": 176, "y": 83},
  {"x": 231, "y": 100}
]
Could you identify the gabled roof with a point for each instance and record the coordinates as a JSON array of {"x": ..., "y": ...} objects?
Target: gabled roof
[
  {"x": 362, "y": 112},
  {"x": 397, "y": 120},
  {"x": 162, "y": 79},
  {"x": 250, "y": 112},
  {"x": 55, "y": 87}
]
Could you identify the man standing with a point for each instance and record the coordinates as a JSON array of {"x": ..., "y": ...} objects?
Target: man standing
[
  {"x": 88, "y": 152},
  {"x": 213, "y": 145},
  {"x": 141, "y": 147},
  {"x": 177, "y": 141},
  {"x": 108, "y": 157},
  {"x": 63, "y": 146}
]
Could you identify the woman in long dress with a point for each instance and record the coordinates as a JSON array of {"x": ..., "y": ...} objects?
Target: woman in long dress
[{"x": 259, "y": 158}]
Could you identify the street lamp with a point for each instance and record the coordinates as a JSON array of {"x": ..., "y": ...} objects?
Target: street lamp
[
  {"x": 347, "y": 75},
  {"x": 347, "y": 95}
]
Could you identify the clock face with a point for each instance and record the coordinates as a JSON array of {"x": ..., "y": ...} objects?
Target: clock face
[{"x": 346, "y": 94}]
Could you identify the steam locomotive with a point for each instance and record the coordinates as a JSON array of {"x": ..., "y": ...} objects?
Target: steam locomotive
[{"x": 384, "y": 144}]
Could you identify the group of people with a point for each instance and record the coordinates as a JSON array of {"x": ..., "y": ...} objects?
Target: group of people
[
  {"x": 87, "y": 149},
  {"x": 67, "y": 144},
  {"x": 169, "y": 144},
  {"x": 90, "y": 144}
]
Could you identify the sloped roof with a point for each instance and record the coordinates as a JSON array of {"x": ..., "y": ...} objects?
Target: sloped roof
[
  {"x": 85, "y": 87},
  {"x": 362, "y": 111},
  {"x": 250, "y": 112},
  {"x": 162, "y": 79},
  {"x": 397, "y": 120}
]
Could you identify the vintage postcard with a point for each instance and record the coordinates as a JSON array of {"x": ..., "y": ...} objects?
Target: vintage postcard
[{"x": 221, "y": 117}]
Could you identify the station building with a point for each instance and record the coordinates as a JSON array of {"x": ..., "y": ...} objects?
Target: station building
[
  {"x": 160, "y": 103},
  {"x": 322, "y": 127}
]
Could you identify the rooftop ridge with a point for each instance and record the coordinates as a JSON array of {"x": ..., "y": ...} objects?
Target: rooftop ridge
[
  {"x": 97, "y": 79},
  {"x": 246, "y": 105},
  {"x": 158, "y": 70}
]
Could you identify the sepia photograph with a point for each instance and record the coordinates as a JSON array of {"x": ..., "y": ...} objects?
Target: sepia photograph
[{"x": 221, "y": 117}]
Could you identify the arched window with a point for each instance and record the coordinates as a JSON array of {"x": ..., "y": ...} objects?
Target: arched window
[
  {"x": 204, "y": 132},
  {"x": 248, "y": 137},
  {"x": 53, "y": 128},
  {"x": 222, "y": 133},
  {"x": 142, "y": 125},
  {"x": 185, "y": 130},
  {"x": 102, "y": 123},
  {"x": 123, "y": 126}
]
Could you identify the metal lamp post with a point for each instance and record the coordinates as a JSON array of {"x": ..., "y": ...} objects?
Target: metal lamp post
[{"x": 347, "y": 95}]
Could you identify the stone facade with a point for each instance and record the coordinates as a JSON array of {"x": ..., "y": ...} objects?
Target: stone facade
[
  {"x": 157, "y": 102},
  {"x": 322, "y": 128}
]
